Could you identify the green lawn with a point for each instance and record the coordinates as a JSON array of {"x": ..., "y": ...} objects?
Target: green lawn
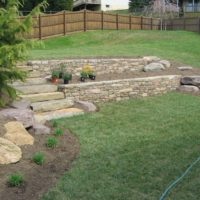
[
  {"x": 132, "y": 150},
  {"x": 177, "y": 46}
]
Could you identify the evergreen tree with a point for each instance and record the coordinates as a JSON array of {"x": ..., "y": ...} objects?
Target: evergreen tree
[{"x": 13, "y": 46}]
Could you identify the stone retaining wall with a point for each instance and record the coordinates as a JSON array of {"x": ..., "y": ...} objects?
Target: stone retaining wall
[
  {"x": 117, "y": 90},
  {"x": 101, "y": 65}
]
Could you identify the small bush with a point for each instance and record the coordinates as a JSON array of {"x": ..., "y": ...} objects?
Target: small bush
[
  {"x": 59, "y": 132},
  {"x": 15, "y": 180},
  {"x": 55, "y": 124},
  {"x": 52, "y": 142},
  {"x": 39, "y": 158}
]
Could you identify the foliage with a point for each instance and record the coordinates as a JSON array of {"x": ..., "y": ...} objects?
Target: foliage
[
  {"x": 86, "y": 71},
  {"x": 15, "y": 180},
  {"x": 138, "y": 5},
  {"x": 54, "y": 5},
  {"x": 13, "y": 46},
  {"x": 84, "y": 74},
  {"x": 52, "y": 142},
  {"x": 67, "y": 76},
  {"x": 55, "y": 74},
  {"x": 39, "y": 158},
  {"x": 59, "y": 132}
]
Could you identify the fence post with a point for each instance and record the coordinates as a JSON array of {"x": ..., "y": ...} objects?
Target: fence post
[
  {"x": 172, "y": 25},
  {"x": 117, "y": 22},
  {"x": 130, "y": 22},
  {"x": 199, "y": 24},
  {"x": 64, "y": 22},
  {"x": 151, "y": 23},
  {"x": 40, "y": 27},
  {"x": 102, "y": 19},
  {"x": 141, "y": 23},
  {"x": 85, "y": 20}
]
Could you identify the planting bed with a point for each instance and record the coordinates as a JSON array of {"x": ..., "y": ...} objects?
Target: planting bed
[{"x": 39, "y": 179}]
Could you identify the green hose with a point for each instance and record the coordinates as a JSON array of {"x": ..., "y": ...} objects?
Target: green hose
[{"x": 171, "y": 186}]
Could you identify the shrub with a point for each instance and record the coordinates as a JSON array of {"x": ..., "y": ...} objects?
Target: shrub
[
  {"x": 55, "y": 124},
  {"x": 39, "y": 158},
  {"x": 13, "y": 45},
  {"x": 59, "y": 132},
  {"x": 15, "y": 180},
  {"x": 52, "y": 142}
]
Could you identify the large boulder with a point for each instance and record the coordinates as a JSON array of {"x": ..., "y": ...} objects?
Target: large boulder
[
  {"x": 154, "y": 67},
  {"x": 9, "y": 152},
  {"x": 188, "y": 89},
  {"x": 87, "y": 106},
  {"x": 24, "y": 116},
  {"x": 166, "y": 63},
  {"x": 16, "y": 133},
  {"x": 191, "y": 80}
]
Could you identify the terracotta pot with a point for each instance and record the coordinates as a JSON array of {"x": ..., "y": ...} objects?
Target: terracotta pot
[{"x": 54, "y": 80}]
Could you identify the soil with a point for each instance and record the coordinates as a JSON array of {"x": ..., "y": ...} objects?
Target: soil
[
  {"x": 39, "y": 179},
  {"x": 173, "y": 70}
]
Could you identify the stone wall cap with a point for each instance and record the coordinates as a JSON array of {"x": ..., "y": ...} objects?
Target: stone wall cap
[{"x": 170, "y": 77}]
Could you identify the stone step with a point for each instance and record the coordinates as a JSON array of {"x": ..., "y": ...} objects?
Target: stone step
[
  {"x": 31, "y": 81},
  {"x": 25, "y": 68},
  {"x": 43, "y": 96},
  {"x": 35, "y": 74},
  {"x": 47, "y": 116},
  {"x": 52, "y": 105},
  {"x": 36, "y": 89}
]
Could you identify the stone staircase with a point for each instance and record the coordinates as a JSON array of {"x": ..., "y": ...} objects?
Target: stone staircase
[{"x": 46, "y": 101}]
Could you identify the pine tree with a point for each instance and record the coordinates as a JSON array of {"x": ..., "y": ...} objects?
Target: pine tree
[{"x": 13, "y": 46}]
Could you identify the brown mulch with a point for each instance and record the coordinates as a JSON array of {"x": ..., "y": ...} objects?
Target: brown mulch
[
  {"x": 39, "y": 179},
  {"x": 139, "y": 74}
]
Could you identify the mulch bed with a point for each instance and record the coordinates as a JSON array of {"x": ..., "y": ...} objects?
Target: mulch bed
[
  {"x": 139, "y": 74},
  {"x": 39, "y": 179}
]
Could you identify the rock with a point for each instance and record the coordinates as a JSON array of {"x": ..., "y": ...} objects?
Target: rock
[
  {"x": 41, "y": 129},
  {"x": 185, "y": 68},
  {"x": 9, "y": 152},
  {"x": 188, "y": 88},
  {"x": 166, "y": 63},
  {"x": 52, "y": 105},
  {"x": 87, "y": 106},
  {"x": 22, "y": 104},
  {"x": 24, "y": 116},
  {"x": 191, "y": 80},
  {"x": 149, "y": 59},
  {"x": 16, "y": 133},
  {"x": 154, "y": 67}
]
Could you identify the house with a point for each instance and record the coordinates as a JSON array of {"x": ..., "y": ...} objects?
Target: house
[
  {"x": 189, "y": 7},
  {"x": 100, "y": 4}
]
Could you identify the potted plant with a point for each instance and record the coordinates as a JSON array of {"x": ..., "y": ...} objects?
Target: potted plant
[
  {"x": 92, "y": 75},
  {"x": 83, "y": 76},
  {"x": 62, "y": 70},
  {"x": 55, "y": 76},
  {"x": 67, "y": 77}
]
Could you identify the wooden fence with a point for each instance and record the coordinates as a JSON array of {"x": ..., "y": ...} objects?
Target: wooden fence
[
  {"x": 66, "y": 22},
  {"x": 187, "y": 24}
]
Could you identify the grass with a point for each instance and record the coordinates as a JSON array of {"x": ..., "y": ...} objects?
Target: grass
[
  {"x": 52, "y": 142},
  {"x": 39, "y": 158},
  {"x": 15, "y": 180},
  {"x": 133, "y": 150},
  {"x": 177, "y": 46}
]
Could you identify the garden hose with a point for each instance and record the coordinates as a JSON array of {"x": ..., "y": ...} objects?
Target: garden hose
[{"x": 169, "y": 189}]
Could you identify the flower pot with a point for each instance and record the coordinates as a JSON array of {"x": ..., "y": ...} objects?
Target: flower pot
[
  {"x": 92, "y": 77},
  {"x": 82, "y": 79},
  {"x": 66, "y": 81},
  {"x": 54, "y": 80},
  {"x": 61, "y": 75}
]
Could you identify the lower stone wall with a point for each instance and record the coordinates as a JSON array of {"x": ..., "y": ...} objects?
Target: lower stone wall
[{"x": 121, "y": 89}]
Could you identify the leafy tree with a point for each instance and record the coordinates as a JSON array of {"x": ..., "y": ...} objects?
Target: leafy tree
[{"x": 13, "y": 46}]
